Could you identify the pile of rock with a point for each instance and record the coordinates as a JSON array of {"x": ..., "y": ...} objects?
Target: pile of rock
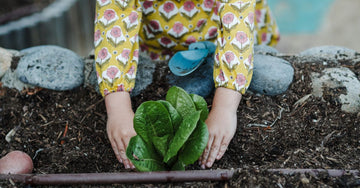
[{"x": 56, "y": 68}]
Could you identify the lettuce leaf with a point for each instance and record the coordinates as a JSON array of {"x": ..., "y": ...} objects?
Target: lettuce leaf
[{"x": 170, "y": 134}]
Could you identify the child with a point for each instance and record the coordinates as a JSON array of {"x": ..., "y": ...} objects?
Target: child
[{"x": 124, "y": 28}]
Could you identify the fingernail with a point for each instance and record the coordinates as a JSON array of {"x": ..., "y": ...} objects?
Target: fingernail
[
  {"x": 127, "y": 166},
  {"x": 208, "y": 164},
  {"x": 203, "y": 166},
  {"x": 199, "y": 162}
]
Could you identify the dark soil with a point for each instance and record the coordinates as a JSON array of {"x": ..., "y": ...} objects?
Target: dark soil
[
  {"x": 315, "y": 134},
  {"x": 11, "y": 10}
]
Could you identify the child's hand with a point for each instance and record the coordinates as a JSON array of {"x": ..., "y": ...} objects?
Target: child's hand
[
  {"x": 221, "y": 122},
  {"x": 120, "y": 126}
]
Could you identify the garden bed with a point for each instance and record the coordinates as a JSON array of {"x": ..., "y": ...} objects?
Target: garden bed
[{"x": 315, "y": 134}]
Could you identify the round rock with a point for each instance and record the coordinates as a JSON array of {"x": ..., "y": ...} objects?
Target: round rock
[
  {"x": 265, "y": 50},
  {"x": 271, "y": 76},
  {"x": 144, "y": 74},
  {"x": 5, "y": 61},
  {"x": 329, "y": 53},
  {"x": 51, "y": 67},
  {"x": 344, "y": 82}
]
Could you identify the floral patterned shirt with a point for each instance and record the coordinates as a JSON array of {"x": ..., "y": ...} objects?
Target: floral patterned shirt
[{"x": 162, "y": 27}]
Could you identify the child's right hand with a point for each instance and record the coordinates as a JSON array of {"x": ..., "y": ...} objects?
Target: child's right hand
[{"x": 119, "y": 126}]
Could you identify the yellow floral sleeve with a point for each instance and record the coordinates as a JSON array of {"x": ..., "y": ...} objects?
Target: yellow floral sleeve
[
  {"x": 117, "y": 24},
  {"x": 235, "y": 41}
]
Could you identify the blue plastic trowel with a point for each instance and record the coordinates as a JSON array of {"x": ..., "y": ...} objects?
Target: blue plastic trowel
[{"x": 186, "y": 62}]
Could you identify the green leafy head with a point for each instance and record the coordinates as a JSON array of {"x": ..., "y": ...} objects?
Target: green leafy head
[{"x": 170, "y": 134}]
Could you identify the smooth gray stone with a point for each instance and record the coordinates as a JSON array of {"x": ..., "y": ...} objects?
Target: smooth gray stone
[
  {"x": 265, "y": 50},
  {"x": 51, "y": 67},
  {"x": 144, "y": 74},
  {"x": 329, "y": 53},
  {"x": 200, "y": 82},
  {"x": 271, "y": 76},
  {"x": 343, "y": 78}
]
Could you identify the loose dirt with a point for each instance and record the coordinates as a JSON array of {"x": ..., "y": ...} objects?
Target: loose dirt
[{"x": 313, "y": 134}]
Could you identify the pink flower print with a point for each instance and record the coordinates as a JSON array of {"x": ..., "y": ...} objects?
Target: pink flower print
[
  {"x": 248, "y": 62},
  {"x": 103, "y": 56},
  {"x": 221, "y": 79},
  {"x": 222, "y": 76},
  {"x": 189, "y": 6},
  {"x": 229, "y": 20},
  {"x": 109, "y": 17},
  {"x": 190, "y": 39},
  {"x": 134, "y": 39},
  {"x": 241, "y": 37},
  {"x": 97, "y": 34},
  {"x": 178, "y": 27},
  {"x": 120, "y": 87},
  {"x": 229, "y": 56},
  {"x": 97, "y": 38},
  {"x": 147, "y": 4},
  {"x": 115, "y": 32},
  {"x": 104, "y": 1},
  {"x": 147, "y": 7},
  {"x": 111, "y": 73},
  {"x": 260, "y": 17},
  {"x": 230, "y": 59},
  {"x": 133, "y": 17},
  {"x": 208, "y": 4},
  {"x": 217, "y": 59},
  {"x": 217, "y": 7},
  {"x": 166, "y": 42},
  {"x": 200, "y": 25},
  {"x": 144, "y": 47},
  {"x": 135, "y": 56},
  {"x": 154, "y": 56},
  {"x": 125, "y": 53},
  {"x": 241, "y": 41},
  {"x": 251, "y": 17},
  {"x": 148, "y": 32},
  {"x": 109, "y": 14},
  {"x": 178, "y": 30},
  {"x": 188, "y": 9},
  {"x": 136, "y": 53},
  {"x": 221, "y": 41},
  {"x": 131, "y": 21},
  {"x": 249, "y": 20},
  {"x": 168, "y": 7},
  {"x": 212, "y": 33},
  {"x": 239, "y": 82},
  {"x": 124, "y": 56},
  {"x": 168, "y": 10},
  {"x": 130, "y": 75},
  {"x": 115, "y": 36},
  {"x": 154, "y": 25},
  {"x": 266, "y": 38}
]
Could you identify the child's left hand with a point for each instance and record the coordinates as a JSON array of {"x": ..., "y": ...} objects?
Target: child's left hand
[{"x": 221, "y": 122}]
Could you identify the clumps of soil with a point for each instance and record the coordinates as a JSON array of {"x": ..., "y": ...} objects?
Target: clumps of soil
[{"x": 314, "y": 134}]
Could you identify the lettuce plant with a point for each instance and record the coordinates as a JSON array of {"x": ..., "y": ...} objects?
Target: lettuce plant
[{"x": 171, "y": 133}]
